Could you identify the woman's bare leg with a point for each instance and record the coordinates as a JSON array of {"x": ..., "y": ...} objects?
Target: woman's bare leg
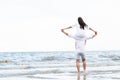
[
  {"x": 78, "y": 65},
  {"x": 84, "y": 65}
]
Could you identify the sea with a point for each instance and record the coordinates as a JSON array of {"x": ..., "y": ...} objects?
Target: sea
[{"x": 59, "y": 65}]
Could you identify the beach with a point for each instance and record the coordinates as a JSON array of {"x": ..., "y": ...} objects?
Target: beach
[{"x": 58, "y": 65}]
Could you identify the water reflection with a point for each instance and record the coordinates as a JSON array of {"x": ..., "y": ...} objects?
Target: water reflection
[{"x": 78, "y": 77}]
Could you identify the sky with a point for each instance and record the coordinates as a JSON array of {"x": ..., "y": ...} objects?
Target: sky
[{"x": 34, "y": 25}]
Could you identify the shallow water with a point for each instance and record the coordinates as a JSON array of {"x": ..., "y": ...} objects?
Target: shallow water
[{"x": 103, "y": 65}]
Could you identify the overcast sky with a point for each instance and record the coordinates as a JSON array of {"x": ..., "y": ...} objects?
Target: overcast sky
[{"x": 34, "y": 25}]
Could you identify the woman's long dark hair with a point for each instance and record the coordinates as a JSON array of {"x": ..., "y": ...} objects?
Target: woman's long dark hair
[{"x": 81, "y": 23}]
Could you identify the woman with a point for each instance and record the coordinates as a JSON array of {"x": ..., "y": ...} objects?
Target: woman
[{"x": 80, "y": 40}]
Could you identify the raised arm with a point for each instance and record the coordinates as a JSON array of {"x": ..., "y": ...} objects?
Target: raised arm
[
  {"x": 62, "y": 30},
  {"x": 94, "y": 32}
]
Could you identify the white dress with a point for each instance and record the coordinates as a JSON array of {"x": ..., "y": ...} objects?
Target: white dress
[{"x": 80, "y": 38}]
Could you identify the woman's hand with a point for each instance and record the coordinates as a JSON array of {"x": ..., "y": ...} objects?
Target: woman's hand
[
  {"x": 62, "y": 30},
  {"x": 94, "y": 32}
]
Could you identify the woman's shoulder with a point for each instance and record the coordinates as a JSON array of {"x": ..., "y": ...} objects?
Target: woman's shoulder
[
  {"x": 75, "y": 25},
  {"x": 86, "y": 27}
]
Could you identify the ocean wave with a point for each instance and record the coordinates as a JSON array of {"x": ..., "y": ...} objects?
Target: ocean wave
[
  {"x": 48, "y": 58},
  {"x": 5, "y": 61}
]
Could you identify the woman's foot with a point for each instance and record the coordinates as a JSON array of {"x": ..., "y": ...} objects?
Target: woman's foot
[{"x": 85, "y": 72}]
